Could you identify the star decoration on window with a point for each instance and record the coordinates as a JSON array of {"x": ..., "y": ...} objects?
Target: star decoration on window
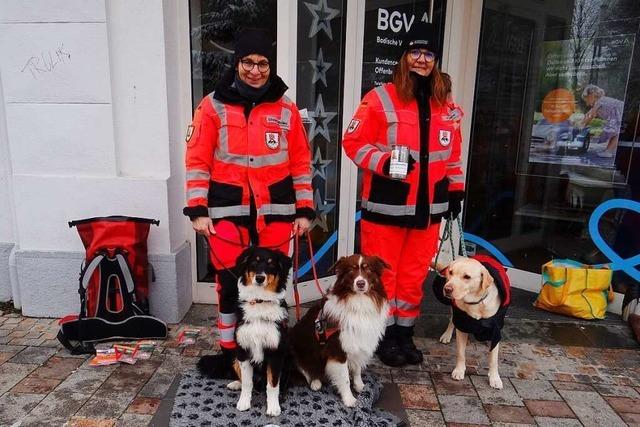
[
  {"x": 322, "y": 210},
  {"x": 319, "y": 165},
  {"x": 322, "y": 16},
  {"x": 320, "y": 68},
  {"x": 319, "y": 120}
]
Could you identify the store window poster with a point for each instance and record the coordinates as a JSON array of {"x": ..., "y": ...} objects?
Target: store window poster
[{"x": 580, "y": 100}]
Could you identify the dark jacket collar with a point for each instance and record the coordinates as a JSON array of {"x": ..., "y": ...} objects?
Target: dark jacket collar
[{"x": 226, "y": 93}]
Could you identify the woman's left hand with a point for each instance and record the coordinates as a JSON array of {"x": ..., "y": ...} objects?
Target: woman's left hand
[{"x": 301, "y": 225}]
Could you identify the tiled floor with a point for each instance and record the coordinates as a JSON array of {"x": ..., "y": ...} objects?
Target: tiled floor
[{"x": 554, "y": 374}]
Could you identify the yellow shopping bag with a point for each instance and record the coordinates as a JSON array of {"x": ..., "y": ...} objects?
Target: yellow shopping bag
[{"x": 575, "y": 289}]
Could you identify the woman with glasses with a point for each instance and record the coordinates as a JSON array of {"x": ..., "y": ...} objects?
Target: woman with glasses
[
  {"x": 248, "y": 172},
  {"x": 401, "y": 216}
]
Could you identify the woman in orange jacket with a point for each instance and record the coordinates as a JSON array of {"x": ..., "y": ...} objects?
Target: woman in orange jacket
[
  {"x": 248, "y": 170},
  {"x": 401, "y": 217}
]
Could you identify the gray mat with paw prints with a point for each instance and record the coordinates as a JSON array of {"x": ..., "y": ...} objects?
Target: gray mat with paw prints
[{"x": 201, "y": 401}]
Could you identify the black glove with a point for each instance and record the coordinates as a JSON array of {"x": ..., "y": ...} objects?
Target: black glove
[
  {"x": 455, "y": 204},
  {"x": 411, "y": 165}
]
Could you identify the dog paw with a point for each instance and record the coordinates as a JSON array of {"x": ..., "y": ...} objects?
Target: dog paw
[
  {"x": 495, "y": 381},
  {"x": 273, "y": 410},
  {"x": 349, "y": 401},
  {"x": 235, "y": 385},
  {"x": 445, "y": 338},
  {"x": 458, "y": 374},
  {"x": 358, "y": 385},
  {"x": 315, "y": 385},
  {"x": 243, "y": 404}
]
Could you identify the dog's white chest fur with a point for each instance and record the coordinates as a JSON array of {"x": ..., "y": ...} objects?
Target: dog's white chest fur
[
  {"x": 260, "y": 330},
  {"x": 362, "y": 324}
]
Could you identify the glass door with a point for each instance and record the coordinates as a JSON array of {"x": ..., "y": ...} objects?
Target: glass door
[{"x": 553, "y": 166}]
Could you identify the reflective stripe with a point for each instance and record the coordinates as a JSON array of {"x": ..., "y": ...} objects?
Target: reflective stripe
[
  {"x": 227, "y": 334},
  {"x": 406, "y": 321},
  {"x": 390, "y": 113},
  {"x": 383, "y": 147},
  {"x": 375, "y": 159},
  {"x": 439, "y": 156},
  {"x": 304, "y": 195},
  {"x": 362, "y": 153},
  {"x": 391, "y": 320},
  {"x": 455, "y": 164},
  {"x": 403, "y": 305},
  {"x": 197, "y": 174},
  {"x": 456, "y": 178},
  {"x": 225, "y": 211},
  {"x": 277, "y": 209},
  {"x": 285, "y": 123},
  {"x": 302, "y": 179},
  {"x": 197, "y": 192},
  {"x": 221, "y": 111},
  {"x": 228, "y": 319},
  {"x": 251, "y": 161},
  {"x": 415, "y": 154},
  {"x": 438, "y": 208},
  {"x": 392, "y": 210},
  {"x": 125, "y": 271}
]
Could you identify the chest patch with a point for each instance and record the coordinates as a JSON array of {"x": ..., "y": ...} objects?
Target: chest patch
[
  {"x": 272, "y": 139},
  {"x": 353, "y": 126},
  {"x": 444, "y": 137}
]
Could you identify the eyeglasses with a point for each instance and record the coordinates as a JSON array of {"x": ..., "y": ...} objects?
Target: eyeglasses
[
  {"x": 416, "y": 53},
  {"x": 247, "y": 65}
]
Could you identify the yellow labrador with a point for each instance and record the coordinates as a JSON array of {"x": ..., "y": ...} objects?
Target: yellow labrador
[{"x": 479, "y": 289}]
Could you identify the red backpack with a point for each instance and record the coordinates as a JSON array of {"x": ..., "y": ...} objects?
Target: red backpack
[{"x": 113, "y": 285}]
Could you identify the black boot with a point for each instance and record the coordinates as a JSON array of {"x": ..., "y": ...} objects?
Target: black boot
[
  {"x": 412, "y": 355},
  {"x": 388, "y": 351},
  {"x": 219, "y": 366}
]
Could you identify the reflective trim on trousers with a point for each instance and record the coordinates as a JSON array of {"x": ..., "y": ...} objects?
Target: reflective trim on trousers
[
  {"x": 393, "y": 210},
  {"x": 227, "y": 319},
  {"x": 406, "y": 321},
  {"x": 227, "y": 334},
  {"x": 438, "y": 208},
  {"x": 277, "y": 209},
  {"x": 225, "y": 211},
  {"x": 403, "y": 305},
  {"x": 196, "y": 174}
]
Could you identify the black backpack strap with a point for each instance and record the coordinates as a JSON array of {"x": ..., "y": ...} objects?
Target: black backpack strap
[{"x": 80, "y": 348}]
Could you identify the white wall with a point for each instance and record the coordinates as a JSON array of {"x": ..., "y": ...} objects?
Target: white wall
[{"x": 95, "y": 98}]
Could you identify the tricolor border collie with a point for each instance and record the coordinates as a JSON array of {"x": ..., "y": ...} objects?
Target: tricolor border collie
[
  {"x": 261, "y": 331},
  {"x": 339, "y": 335}
]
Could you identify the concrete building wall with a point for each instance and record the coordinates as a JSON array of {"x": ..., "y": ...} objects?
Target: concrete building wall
[{"x": 88, "y": 133}]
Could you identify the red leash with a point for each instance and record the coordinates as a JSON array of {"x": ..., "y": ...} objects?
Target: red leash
[{"x": 296, "y": 266}]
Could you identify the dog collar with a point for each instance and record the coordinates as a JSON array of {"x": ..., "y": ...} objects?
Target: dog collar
[
  {"x": 479, "y": 301},
  {"x": 259, "y": 301}
]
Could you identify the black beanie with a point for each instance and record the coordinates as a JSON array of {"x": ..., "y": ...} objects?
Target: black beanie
[
  {"x": 253, "y": 41},
  {"x": 421, "y": 36}
]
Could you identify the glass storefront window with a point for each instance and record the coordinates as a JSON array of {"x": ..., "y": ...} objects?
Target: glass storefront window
[{"x": 554, "y": 127}]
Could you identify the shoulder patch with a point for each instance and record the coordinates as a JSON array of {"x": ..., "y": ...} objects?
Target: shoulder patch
[
  {"x": 189, "y": 135},
  {"x": 353, "y": 125}
]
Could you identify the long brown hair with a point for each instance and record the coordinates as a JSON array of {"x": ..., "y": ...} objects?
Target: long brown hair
[{"x": 404, "y": 83}]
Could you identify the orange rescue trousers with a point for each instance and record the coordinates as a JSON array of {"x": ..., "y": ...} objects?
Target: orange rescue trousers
[{"x": 408, "y": 251}]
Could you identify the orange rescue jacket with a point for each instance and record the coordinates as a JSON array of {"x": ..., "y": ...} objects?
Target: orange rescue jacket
[
  {"x": 380, "y": 122},
  {"x": 238, "y": 157}
]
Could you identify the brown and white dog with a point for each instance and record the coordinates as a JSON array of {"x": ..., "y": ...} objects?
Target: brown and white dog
[
  {"x": 480, "y": 293},
  {"x": 339, "y": 335}
]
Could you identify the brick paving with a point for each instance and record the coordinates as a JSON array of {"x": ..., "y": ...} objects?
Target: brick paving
[{"x": 41, "y": 384}]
